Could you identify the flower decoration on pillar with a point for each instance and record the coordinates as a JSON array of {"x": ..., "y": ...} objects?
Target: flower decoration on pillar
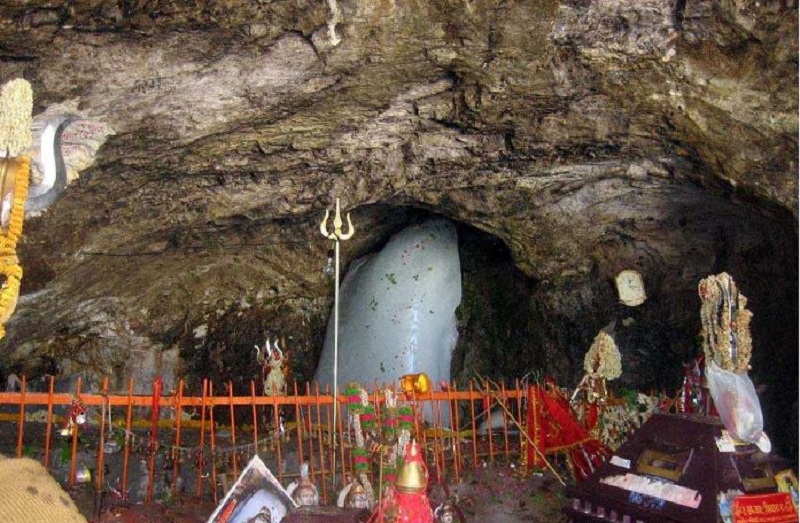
[
  {"x": 357, "y": 406},
  {"x": 405, "y": 418}
]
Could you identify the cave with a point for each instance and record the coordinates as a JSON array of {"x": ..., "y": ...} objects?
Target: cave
[{"x": 566, "y": 141}]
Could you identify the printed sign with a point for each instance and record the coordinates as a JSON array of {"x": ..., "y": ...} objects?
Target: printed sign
[{"x": 764, "y": 508}]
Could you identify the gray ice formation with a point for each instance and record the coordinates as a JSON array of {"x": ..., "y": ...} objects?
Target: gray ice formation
[{"x": 397, "y": 310}]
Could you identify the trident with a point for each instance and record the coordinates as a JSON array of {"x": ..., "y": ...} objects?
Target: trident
[{"x": 337, "y": 235}]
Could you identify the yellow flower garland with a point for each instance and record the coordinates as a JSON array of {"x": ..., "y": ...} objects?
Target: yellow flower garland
[
  {"x": 16, "y": 108},
  {"x": 19, "y": 168}
]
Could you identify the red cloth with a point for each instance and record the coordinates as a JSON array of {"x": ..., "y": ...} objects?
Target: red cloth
[
  {"x": 560, "y": 431},
  {"x": 535, "y": 426},
  {"x": 399, "y": 507},
  {"x": 592, "y": 416},
  {"x": 407, "y": 507}
]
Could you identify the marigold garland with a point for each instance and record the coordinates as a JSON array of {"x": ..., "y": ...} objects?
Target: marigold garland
[
  {"x": 9, "y": 264},
  {"x": 16, "y": 110},
  {"x": 10, "y": 268},
  {"x": 19, "y": 168}
]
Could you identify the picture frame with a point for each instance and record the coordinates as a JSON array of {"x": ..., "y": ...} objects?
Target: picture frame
[{"x": 256, "y": 497}]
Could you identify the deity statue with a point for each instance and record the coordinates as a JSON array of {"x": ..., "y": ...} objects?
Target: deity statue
[
  {"x": 273, "y": 370},
  {"x": 354, "y": 495},
  {"x": 446, "y": 513}
]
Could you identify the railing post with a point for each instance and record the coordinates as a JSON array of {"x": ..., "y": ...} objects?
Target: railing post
[
  {"x": 255, "y": 414},
  {"x": 73, "y": 464},
  {"x": 128, "y": 439},
  {"x": 474, "y": 429},
  {"x": 49, "y": 429},
  {"x": 21, "y": 426},
  {"x": 98, "y": 479},
  {"x": 175, "y": 454},
  {"x": 233, "y": 431},
  {"x": 213, "y": 441},
  {"x": 298, "y": 416},
  {"x": 201, "y": 460},
  {"x": 320, "y": 442}
]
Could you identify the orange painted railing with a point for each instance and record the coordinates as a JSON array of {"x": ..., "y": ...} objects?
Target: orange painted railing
[{"x": 255, "y": 426}]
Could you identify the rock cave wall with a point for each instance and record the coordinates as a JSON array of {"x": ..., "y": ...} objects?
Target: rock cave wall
[{"x": 568, "y": 140}]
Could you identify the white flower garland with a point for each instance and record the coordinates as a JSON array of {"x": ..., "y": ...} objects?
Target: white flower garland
[{"x": 603, "y": 358}]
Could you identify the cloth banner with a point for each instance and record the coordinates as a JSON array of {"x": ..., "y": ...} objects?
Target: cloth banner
[{"x": 553, "y": 428}]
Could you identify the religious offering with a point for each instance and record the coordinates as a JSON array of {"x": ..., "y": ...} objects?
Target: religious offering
[
  {"x": 727, "y": 346},
  {"x": 273, "y": 369},
  {"x": 602, "y": 363},
  {"x": 406, "y": 501}
]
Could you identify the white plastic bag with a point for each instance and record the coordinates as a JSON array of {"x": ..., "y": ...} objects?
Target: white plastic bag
[{"x": 737, "y": 403}]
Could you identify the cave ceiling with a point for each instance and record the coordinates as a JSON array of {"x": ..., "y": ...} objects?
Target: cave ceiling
[{"x": 585, "y": 136}]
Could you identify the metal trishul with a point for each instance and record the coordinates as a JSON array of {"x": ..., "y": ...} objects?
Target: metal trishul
[{"x": 337, "y": 233}]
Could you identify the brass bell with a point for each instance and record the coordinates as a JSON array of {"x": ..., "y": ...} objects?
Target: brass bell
[
  {"x": 412, "y": 477},
  {"x": 415, "y": 383}
]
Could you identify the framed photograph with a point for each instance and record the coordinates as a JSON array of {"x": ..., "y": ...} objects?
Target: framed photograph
[
  {"x": 787, "y": 482},
  {"x": 256, "y": 497}
]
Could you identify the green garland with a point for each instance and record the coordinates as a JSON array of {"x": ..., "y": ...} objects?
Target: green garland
[
  {"x": 368, "y": 417},
  {"x": 360, "y": 460},
  {"x": 353, "y": 394},
  {"x": 405, "y": 417}
]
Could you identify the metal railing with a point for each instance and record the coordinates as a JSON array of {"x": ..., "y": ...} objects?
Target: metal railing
[{"x": 185, "y": 450}]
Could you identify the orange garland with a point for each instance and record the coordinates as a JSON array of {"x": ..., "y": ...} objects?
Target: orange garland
[{"x": 9, "y": 263}]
